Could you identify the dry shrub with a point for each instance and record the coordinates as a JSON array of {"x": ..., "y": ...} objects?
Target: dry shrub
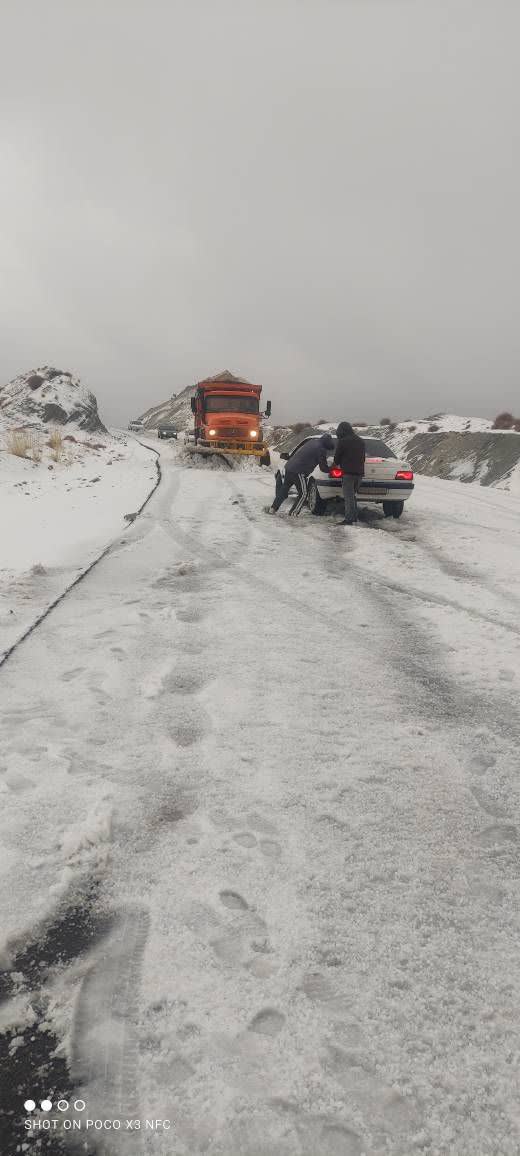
[
  {"x": 56, "y": 444},
  {"x": 385, "y": 421},
  {"x": 433, "y": 428},
  {"x": 506, "y": 421},
  {"x": 19, "y": 442},
  {"x": 411, "y": 428}
]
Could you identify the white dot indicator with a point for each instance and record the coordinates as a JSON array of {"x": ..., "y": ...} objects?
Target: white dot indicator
[
  {"x": 46, "y": 1105},
  {"x": 63, "y": 1105},
  {"x": 29, "y": 1105},
  {"x": 79, "y": 1105}
]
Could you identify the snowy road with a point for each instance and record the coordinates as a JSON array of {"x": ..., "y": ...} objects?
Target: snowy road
[{"x": 260, "y": 804}]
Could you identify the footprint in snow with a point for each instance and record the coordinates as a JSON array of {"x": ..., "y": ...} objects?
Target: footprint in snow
[
  {"x": 233, "y": 900},
  {"x": 383, "y": 1107},
  {"x": 487, "y": 803},
  {"x": 269, "y": 847},
  {"x": 70, "y": 674},
  {"x": 191, "y": 614},
  {"x": 268, "y": 1022},
  {"x": 189, "y": 726},
  {"x": 184, "y": 679},
  {"x": 500, "y": 834},
  {"x": 482, "y": 763}
]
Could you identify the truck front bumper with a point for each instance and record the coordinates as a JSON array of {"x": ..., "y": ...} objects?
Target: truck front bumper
[{"x": 231, "y": 447}]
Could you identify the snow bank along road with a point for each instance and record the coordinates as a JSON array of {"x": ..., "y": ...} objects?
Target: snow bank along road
[{"x": 260, "y": 870}]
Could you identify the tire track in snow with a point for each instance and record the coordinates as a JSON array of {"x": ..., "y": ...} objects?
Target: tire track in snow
[
  {"x": 104, "y": 1034},
  {"x": 437, "y": 686},
  {"x": 402, "y": 588}
]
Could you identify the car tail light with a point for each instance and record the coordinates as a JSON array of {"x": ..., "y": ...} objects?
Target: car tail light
[
  {"x": 335, "y": 472},
  {"x": 404, "y": 475}
]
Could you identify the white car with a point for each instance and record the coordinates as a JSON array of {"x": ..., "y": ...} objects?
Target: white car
[{"x": 388, "y": 480}]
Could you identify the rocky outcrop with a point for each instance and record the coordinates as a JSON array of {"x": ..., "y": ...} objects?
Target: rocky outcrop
[
  {"x": 50, "y": 396},
  {"x": 488, "y": 458}
]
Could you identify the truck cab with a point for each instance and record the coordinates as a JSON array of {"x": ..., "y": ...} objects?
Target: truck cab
[{"x": 227, "y": 416}]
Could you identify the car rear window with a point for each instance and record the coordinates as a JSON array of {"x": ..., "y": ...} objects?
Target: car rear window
[{"x": 377, "y": 449}]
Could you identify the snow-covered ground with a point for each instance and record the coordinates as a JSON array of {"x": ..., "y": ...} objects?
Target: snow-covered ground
[
  {"x": 58, "y": 510},
  {"x": 260, "y": 830}
]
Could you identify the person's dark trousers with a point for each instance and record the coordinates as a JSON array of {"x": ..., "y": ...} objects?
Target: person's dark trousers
[
  {"x": 350, "y": 485},
  {"x": 283, "y": 489}
]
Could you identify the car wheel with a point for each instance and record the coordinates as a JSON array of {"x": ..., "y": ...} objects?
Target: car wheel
[
  {"x": 388, "y": 509},
  {"x": 397, "y": 509},
  {"x": 315, "y": 503}
]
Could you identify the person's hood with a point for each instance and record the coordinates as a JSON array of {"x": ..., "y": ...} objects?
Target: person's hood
[{"x": 344, "y": 429}]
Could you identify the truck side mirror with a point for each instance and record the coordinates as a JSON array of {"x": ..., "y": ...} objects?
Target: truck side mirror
[
  {"x": 193, "y": 405},
  {"x": 268, "y": 409}
]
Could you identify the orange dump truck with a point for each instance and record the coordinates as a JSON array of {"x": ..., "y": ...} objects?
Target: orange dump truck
[{"x": 228, "y": 418}]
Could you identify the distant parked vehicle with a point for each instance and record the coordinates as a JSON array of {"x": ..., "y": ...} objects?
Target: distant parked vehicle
[
  {"x": 167, "y": 430},
  {"x": 136, "y": 425},
  {"x": 388, "y": 480}
]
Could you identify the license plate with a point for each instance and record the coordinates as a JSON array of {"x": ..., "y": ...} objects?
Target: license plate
[{"x": 373, "y": 493}]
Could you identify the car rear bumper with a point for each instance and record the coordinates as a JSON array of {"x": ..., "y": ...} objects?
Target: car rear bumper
[{"x": 368, "y": 491}]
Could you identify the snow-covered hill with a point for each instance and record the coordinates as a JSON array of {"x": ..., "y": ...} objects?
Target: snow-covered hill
[
  {"x": 49, "y": 396},
  {"x": 176, "y": 409}
]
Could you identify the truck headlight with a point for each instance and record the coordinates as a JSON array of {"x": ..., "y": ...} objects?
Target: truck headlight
[
  {"x": 212, "y": 433},
  {"x": 254, "y": 433}
]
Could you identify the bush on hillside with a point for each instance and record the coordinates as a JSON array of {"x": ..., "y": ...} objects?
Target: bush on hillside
[
  {"x": 433, "y": 428},
  {"x": 504, "y": 421},
  {"x": 385, "y": 421}
]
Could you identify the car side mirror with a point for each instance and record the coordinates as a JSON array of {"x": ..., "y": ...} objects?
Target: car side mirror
[
  {"x": 268, "y": 409},
  {"x": 284, "y": 457},
  {"x": 193, "y": 405}
]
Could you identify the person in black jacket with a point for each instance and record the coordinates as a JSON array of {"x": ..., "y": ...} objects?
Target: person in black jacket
[
  {"x": 311, "y": 453},
  {"x": 350, "y": 456}
]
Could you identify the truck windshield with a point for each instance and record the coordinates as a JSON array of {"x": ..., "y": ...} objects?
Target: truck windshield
[{"x": 229, "y": 404}]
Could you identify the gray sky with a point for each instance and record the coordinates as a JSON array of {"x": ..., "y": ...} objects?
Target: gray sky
[{"x": 321, "y": 194}]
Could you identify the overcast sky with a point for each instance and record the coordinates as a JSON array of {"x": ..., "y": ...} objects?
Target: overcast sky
[{"x": 323, "y": 195}]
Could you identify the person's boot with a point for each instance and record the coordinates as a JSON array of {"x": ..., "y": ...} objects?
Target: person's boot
[{"x": 269, "y": 510}]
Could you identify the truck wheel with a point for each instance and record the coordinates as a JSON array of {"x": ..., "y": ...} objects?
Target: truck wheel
[{"x": 315, "y": 503}]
